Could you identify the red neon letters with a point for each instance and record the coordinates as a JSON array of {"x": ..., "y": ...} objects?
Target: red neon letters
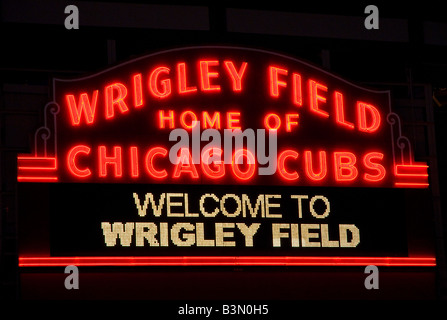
[
  {"x": 155, "y": 83},
  {"x": 167, "y": 120},
  {"x": 114, "y": 161},
  {"x": 275, "y": 83},
  {"x": 72, "y": 161},
  {"x": 309, "y": 165},
  {"x": 344, "y": 166},
  {"x": 314, "y": 167},
  {"x": 138, "y": 90},
  {"x": 159, "y": 84},
  {"x": 282, "y": 167},
  {"x": 340, "y": 111},
  {"x": 84, "y": 107},
  {"x": 322, "y": 103},
  {"x": 118, "y": 100},
  {"x": 208, "y": 76},
  {"x": 286, "y": 99},
  {"x": 182, "y": 86},
  {"x": 207, "y": 164},
  {"x": 157, "y": 151},
  {"x": 363, "y": 109},
  {"x": 316, "y": 98},
  {"x": 236, "y": 76},
  {"x": 372, "y": 161}
]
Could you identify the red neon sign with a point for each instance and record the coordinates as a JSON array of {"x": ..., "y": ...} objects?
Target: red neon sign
[
  {"x": 304, "y": 165},
  {"x": 114, "y": 128},
  {"x": 107, "y": 124}
]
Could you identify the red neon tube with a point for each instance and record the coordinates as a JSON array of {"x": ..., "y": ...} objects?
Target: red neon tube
[{"x": 226, "y": 261}]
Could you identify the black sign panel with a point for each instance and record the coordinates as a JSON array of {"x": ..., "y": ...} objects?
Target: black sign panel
[{"x": 202, "y": 220}]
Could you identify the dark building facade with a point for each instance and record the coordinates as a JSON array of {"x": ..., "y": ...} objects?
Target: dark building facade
[{"x": 406, "y": 55}]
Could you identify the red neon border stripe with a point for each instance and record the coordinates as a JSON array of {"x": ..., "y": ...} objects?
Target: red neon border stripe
[{"x": 225, "y": 261}]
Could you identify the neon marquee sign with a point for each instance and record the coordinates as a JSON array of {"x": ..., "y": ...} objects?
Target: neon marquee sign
[
  {"x": 222, "y": 156},
  {"x": 113, "y": 126}
]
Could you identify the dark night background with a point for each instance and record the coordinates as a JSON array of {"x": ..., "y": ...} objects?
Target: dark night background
[{"x": 408, "y": 55}]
